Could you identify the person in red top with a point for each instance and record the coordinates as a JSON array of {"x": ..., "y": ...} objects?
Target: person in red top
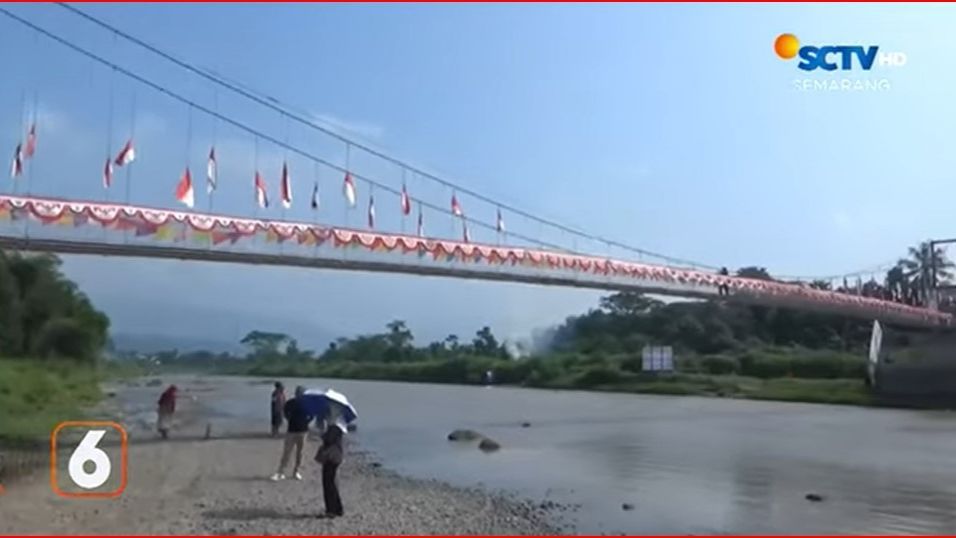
[{"x": 167, "y": 406}]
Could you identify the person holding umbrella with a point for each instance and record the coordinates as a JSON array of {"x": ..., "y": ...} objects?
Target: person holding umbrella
[
  {"x": 298, "y": 417},
  {"x": 330, "y": 456}
]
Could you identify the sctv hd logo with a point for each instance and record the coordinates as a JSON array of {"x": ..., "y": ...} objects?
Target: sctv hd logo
[{"x": 834, "y": 57}]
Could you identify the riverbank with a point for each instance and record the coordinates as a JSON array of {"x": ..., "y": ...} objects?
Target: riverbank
[
  {"x": 830, "y": 380},
  {"x": 191, "y": 485}
]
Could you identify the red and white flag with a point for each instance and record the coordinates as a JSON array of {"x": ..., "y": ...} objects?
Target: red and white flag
[
  {"x": 261, "y": 197},
  {"x": 465, "y": 236},
  {"x": 501, "y": 222},
  {"x": 126, "y": 155},
  {"x": 286, "y": 187},
  {"x": 184, "y": 190},
  {"x": 16, "y": 167},
  {"x": 421, "y": 222},
  {"x": 406, "y": 201},
  {"x": 348, "y": 189},
  {"x": 212, "y": 171},
  {"x": 455, "y": 206},
  {"x": 31, "y": 146},
  {"x": 371, "y": 211},
  {"x": 108, "y": 173}
]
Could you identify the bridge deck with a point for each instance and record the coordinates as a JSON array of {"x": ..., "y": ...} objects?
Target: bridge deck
[{"x": 79, "y": 227}]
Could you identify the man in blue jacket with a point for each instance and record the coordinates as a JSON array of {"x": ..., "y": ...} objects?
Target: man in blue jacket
[{"x": 298, "y": 419}]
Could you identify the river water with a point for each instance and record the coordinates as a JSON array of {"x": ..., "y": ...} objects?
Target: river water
[{"x": 687, "y": 465}]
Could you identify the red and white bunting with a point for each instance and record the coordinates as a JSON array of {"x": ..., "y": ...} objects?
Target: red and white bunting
[
  {"x": 348, "y": 189},
  {"x": 184, "y": 190},
  {"x": 212, "y": 171},
  {"x": 16, "y": 166},
  {"x": 286, "y": 187},
  {"x": 455, "y": 206},
  {"x": 371, "y": 212},
  {"x": 126, "y": 155},
  {"x": 406, "y": 201},
  {"x": 108, "y": 173},
  {"x": 262, "y": 198}
]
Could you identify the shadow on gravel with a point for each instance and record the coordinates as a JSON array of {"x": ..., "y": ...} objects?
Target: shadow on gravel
[{"x": 249, "y": 514}]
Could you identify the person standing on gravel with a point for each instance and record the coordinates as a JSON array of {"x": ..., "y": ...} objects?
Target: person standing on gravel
[
  {"x": 277, "y": 408},
  {"x": 330, "y": 457},
  {"x": 167, "y": 406},
  {"x": 298, "y": 419}
]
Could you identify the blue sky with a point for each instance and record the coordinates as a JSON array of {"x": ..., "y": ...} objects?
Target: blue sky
[{"x": 670, "y": 127}]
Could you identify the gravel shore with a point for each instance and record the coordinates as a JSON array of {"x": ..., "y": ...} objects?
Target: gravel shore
[{"x": 189, "y": 485}]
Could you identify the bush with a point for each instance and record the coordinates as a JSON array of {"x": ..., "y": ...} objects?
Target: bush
[
  {"x": 718, "y": 365},
  {"x": 598, "y": 375},
  {"x": 764, "y": 366},
  {"x": 65, "y": 337}
]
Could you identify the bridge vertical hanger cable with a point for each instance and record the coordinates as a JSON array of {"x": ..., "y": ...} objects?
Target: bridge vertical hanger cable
[
  {"x": 132, "y": 136},
  {"x": 108, "y": 167},
  {"x": 210, "y": 193}
]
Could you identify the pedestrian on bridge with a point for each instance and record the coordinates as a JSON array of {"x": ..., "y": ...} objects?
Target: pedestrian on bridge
[{"x": 723, "y": 288}]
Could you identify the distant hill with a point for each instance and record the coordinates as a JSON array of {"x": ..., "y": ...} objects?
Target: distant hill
[{"x": 152, "y": 343}]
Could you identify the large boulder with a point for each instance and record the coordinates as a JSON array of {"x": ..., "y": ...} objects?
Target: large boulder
[
  {"x": 464, "y": 435},
  {"x": 488, "y": 445}
]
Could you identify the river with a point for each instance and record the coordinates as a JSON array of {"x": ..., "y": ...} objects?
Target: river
[{"x": 687, "y": 465}]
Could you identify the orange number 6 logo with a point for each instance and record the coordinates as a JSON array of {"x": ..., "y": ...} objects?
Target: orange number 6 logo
[{"x": 86, "y": 452}]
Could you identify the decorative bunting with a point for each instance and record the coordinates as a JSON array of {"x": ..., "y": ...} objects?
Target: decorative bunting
[
  {"x": 108, "y": 173},
  {"x": 31, "y": 146},
  {"x": 371, "y": 212},
  {"x": 286, "y": 187},
  {"x": 315, "y": 196},
  {"x": 500, "y": 223},
  {"x": 262, "y": 198},
  {"x": 406, "y": 202},
  {"x": 456, "y": 207},
  {"x": 16, "y": 166}
]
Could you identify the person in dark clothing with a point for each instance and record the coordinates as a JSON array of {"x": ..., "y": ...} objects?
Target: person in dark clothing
[
  {"x": 330, "y": 457},
  {"x": 723, "y": 288},
  {"x": 166, "y": 408},
  {"x": 277, "y": 406},
  {"x": 298, "y": 419}
]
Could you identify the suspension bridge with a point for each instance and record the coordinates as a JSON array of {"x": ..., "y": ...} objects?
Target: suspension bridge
[{"x": 54, "y": 207}]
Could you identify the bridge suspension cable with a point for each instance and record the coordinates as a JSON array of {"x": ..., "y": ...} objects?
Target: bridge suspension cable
[{"x": 286, "y": 111}]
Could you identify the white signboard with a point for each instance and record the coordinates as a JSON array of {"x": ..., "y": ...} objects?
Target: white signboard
[
  {"x": 658, "y": 359},
  {"x": 876, "y": 342}
]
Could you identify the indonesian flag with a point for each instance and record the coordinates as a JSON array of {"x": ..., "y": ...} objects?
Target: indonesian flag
[
  {"x": 465, "y": 236},
  {"x": 455, "y": 206},
  {"x": 406, "y": 202},
  {"x": 371, "y": 211},
  {"x": 184, "y": 190},
  {"x": 501, "y": 222},
  {"x": 31, "y": 146},
  {"x": 315, "y": 195},
  {"x": 16, "y": 167},
  {"x": 348, "y": 189},
  {"x": 126, "y": 155},
  {"x": 212, "y": 173},
  {"x": 261, "y": 197},
  {"x": 421, "y": 222},
  {"x": 286, "y": 187},
  {"x": 108, "y": 173}
]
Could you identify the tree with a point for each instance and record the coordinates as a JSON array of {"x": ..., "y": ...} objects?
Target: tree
[
  {"x": 919, "y": 267},
  {"x": 451, "y": 342},
  {"x": 485, "y": 343},
  {"x": 265, "y": 344},
  {"x": 627, "y": 303}
]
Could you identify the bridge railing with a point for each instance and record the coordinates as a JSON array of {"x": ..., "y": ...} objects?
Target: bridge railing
[{"x": 103, "y": 228}]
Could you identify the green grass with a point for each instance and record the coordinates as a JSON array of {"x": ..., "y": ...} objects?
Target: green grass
[{"x": 37, "y": 394}]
